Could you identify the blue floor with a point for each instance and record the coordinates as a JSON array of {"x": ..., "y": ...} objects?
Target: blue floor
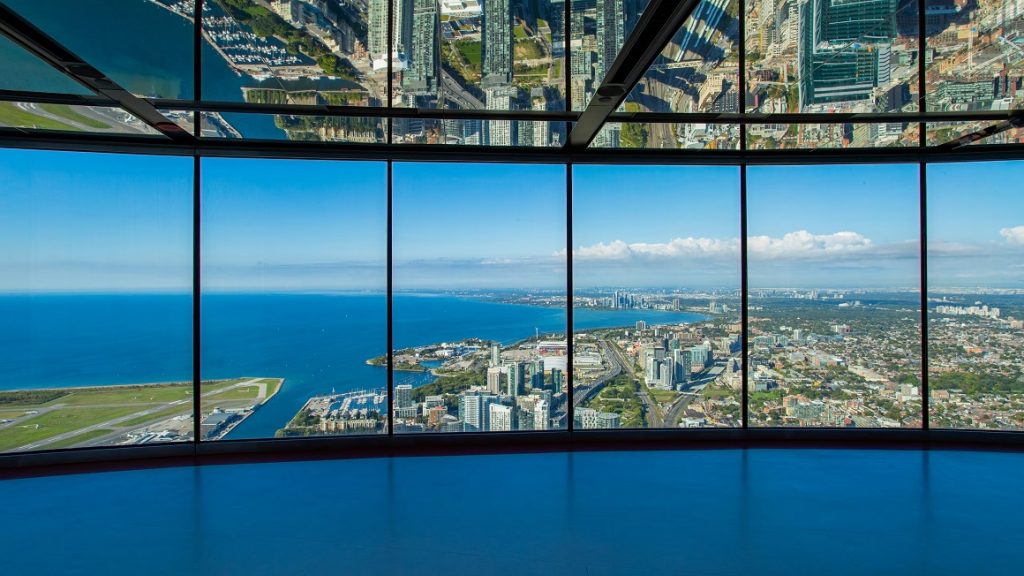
[{"x": 758, "y": 512}]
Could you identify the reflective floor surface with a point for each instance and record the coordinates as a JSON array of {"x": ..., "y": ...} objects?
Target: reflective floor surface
[{"x": 759, "y": 511}]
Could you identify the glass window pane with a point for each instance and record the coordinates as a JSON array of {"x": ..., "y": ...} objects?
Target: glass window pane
[
  {"x": 95, "y": 293},
  {"x": 479, "y": 305},
  {"x": 350, "y": 129},
  {"x": 479, "y": 54},
  {"x": 974, "y": 54},
  {"x": 656, "y": 297},
  {"x": 519, "y": 133},
  {"x": 790, "y": 136},
  {"x": 20, "y": 70},
  {"x": 698, "y": 70},
  {"x": 974, "y": 133},
  {"x": 650, "y": 135},
  {"x": 145, "y": 46},
  {"x": 599, "y": 29},
  {"x": 943, "y": 132},
  {"x": 834, "y": 273},
  {"x": 975, "y": 297},
  {"x": 294, "y": 51},
  {"x": 832, "y": 55},
  {"x": 294, "y": 298},
  {"x": 65, "y": 118}
]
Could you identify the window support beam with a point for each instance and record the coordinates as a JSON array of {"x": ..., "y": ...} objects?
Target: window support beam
[
  {"x": 658, "y": 24},
  {"x": 43, "y": 46}
]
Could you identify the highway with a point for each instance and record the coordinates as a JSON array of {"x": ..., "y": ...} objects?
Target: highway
[
  {"x": 650, "y": 408},
  {"x": 584, "y": 392},
  {"x": 452, "y": 91}
]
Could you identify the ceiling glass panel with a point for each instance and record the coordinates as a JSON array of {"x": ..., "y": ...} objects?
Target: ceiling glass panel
[
  {"x": 294, "y": 51},
  {"x": 479, "y": 54},
  {"x": 143, "y": 45},
  {"x": 347, "y": 129},
  {"x": 598, "y": 30},
  {"x": 65, "y": 118},
  {"x": 831, "y": 55},
  {"x": 517, "y": 133},
  {"x": 1011, "y": 136},
  {"x": 975, "y": 54},
  {"x": 944, "y": 132},
  {"x": 679, "y": 136},
  {"x": 698, "y": 71},
  {"x": 20, "y": 70},
  {"x": 797, "y": 136}
]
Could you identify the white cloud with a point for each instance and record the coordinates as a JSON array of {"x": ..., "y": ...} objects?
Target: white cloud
[
  {"x": 799, "y": 245},
  {"x": 1013, "y": 235},
  {"x": 802, "y": 245},
  {"x": 675, "y": 248}
]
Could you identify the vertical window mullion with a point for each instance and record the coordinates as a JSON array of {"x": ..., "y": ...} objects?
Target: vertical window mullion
[
  {"x": 744, "y": 288},
  {"x": 390, "y": 302},
  {"x": 923, "y": 206},
  {"x": 197, "y": 372},
  {"x": 569, "y": 328}
]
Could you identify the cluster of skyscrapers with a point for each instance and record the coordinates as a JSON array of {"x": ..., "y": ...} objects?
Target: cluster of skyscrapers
[
  {"x": 668, "y": 366},
  {"x": 516, "y": 396}
]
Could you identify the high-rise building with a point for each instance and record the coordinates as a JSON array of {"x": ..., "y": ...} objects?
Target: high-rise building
[
  {"x": 541, "y": 129},
  {"x": 495, "y": 355},
  {"x": 474, "y": 410},
  {"x": 494, "y": 374},
  {"x": 500, "y": 418},
  {"x": 421, "y": 74},
  {"x": 683, "y": 367},
  {"x": 542, "y": 415},
  {"x": 842, "y": 44},
  {"x": 498, "y": 132},
  {"x": 537, "y": 374},
  {"x": 556, "y": 380},
  {"x": 377, "y": 32},
  {"x": 524, "y": 417},
  {"x": 291, "y": 11},
  {"x": 516, "y": 378},
  {"x": 556, "y": 21},
  {"x": 611, "y": 35},
  {"x": 403, "y": 396},
  {"x": 469, "y": 410},
  {"x": 700, "y": 355},
  {"x": 496, "y": 70}
]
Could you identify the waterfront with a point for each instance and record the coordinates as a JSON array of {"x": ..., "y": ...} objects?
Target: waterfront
[
  {"x": 316, "y": 342},
  {"x": 159, "y": 61}
]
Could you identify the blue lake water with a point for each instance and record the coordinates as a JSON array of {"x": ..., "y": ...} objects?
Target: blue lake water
[{"x": 317, "y": 342}]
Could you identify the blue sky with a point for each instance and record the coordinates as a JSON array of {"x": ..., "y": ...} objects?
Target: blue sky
[
  {"x": 976, "y": 225},
  {"x": 850, "y": 226},
  {"x": 94, "y": 222},
  {"x": 656, "y": 226},
  {"x": 294, "y": 225},
  {"x": 479, "y": 226}
]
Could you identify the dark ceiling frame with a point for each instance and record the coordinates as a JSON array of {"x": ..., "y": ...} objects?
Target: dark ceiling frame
[
  {"x": 659, "y": 22},
  {"x": 526, "y": 115},
  {"x": 49, "y": 50}
]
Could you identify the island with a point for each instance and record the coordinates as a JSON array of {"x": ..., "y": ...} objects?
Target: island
[{"x": 54, "y": 418}]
